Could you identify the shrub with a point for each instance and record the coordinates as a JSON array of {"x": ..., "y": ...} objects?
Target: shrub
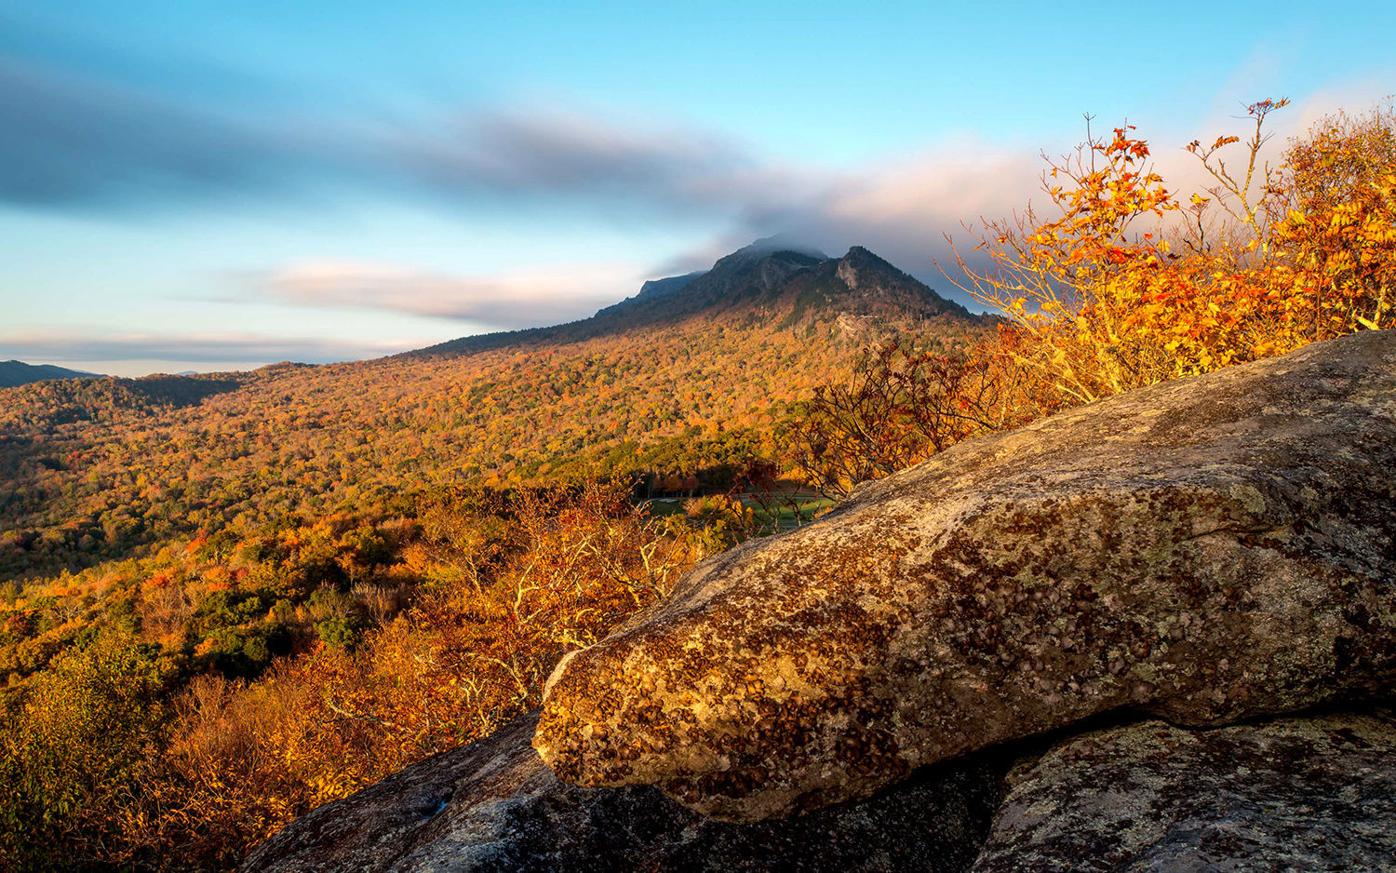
[
  {"x": 1125, "y": 285},
  {"x": 75, "y": 753},
  {"x": 1128, "y": 286}
]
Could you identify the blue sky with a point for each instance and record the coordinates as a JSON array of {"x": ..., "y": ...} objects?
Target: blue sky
[{"x": 221, "y": 185}]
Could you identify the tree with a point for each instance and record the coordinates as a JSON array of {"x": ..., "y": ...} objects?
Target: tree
[
  {"x": 76, "y": 753},
  {"x": 902, "y": 406}
]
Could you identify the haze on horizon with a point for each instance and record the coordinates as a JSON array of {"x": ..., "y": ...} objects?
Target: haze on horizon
[{"x": 188, "y": 188}]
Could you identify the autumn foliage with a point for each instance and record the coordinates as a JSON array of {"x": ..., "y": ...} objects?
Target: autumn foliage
[
  {"x": 397, "y": 640},
  {"x": 1119, "y": 283},
  {"x": 227, "y": 615},
  {"x": 1126, "y": 284},
  {"x": 903, "y": 405}
]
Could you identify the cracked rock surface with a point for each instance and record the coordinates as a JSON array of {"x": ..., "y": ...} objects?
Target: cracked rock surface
[
  {"x": 1314, "y": 793},
  {"x": 1206, "y": 550}
]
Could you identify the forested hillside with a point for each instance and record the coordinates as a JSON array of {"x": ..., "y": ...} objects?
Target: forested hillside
[
  {"x": 14, "y": 373},
  {"x": 680, "y": 388},
  {"x": 232, "y": 598},
  {"x": 391, "y": 552}
]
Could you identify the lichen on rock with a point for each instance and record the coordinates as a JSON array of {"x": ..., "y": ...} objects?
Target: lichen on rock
[
  {"x": 1207, "y": 550},
  {"x": 1315, "y": 793}
]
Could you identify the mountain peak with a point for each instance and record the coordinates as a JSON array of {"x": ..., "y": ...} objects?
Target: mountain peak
[
  {"x": 779, "y": 278},
  {"x": 778, "y": 248},
  {"x": 773, "y": 279},
  {"x": 862, "y": 253},
  {"x": 868, "y": 275},
  {"x": 669, "y": 285},
  {"x": 861, "y": 267},
  {"x": 781, "y": 242}
]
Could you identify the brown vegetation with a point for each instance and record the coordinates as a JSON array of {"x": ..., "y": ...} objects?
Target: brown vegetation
[{"x": 395, "y": 642}]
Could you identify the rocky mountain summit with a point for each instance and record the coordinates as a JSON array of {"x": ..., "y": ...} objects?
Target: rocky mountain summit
[
  {"x": 775, "y": 277},
  {"x": 1201, "y": 555},
  {"x": 770, "y": 280}
]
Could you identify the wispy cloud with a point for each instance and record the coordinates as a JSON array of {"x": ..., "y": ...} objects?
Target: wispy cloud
[
  {"x": 230, "y": 348},
  {"x": 549, "y": 154},
  {"x": 71, "y": 141},
  {"x": 74, "y": 141},
  {"x": 529, "y": 299},
  {"x": 903, "y": 206},
  {"x": 77, "y": 142}
]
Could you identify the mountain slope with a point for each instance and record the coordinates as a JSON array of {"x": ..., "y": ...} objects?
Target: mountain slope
[
  {"x": 14, "y": 373},
  {"x": 859, "y": 283},
  {"x": 761, "y": 281},
  {"x": 679, "y": 383}
]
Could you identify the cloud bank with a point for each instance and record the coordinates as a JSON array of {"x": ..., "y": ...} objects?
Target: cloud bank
[
  {"x": 70, "y": 141},
  {"x": 76, "y": 142},
  {"x": 227, "y": 348}
]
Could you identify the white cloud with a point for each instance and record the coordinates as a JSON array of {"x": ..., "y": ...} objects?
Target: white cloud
[
  {"x": 229, "y": 348},
  {"x": 526, "y": 299},
  {"x": 85, "y": 144}
]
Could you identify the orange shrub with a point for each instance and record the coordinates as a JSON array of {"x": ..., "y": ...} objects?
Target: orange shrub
[
  {"x": 1336, "y": 234},
  {"x": 1126, "y": 286},
  {"x": 473, "y": 652}
]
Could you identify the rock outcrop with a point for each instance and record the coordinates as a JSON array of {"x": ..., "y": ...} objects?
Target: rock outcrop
[
  {"x": 1294, "y": 794},
  {"x": 1207, "y": 550},
  {"x": 1306, "y": 793},
  {"x": 493, "y": 806}
]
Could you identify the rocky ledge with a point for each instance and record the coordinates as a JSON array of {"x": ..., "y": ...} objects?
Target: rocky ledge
[
  {"x": 1206, "y": 550},
  {"x": 1183, "y": 562},
  {"x": 1315, "y": 793},
  {"x": 1292, "y": 794},
  {"x": 494, "y": 806}
]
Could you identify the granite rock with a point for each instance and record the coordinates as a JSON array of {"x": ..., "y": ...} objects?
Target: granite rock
[
  {"x": 1207, "y": 550},
  {"x": 1307, "y": 794},
  {"x": 493, "y": 805}
]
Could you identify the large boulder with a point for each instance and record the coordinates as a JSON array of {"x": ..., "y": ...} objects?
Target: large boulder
[
  {"x": 1294, "y": 794},
  {"x": 1207, "y": 549},
  {"x": 492, "y": 806}
]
